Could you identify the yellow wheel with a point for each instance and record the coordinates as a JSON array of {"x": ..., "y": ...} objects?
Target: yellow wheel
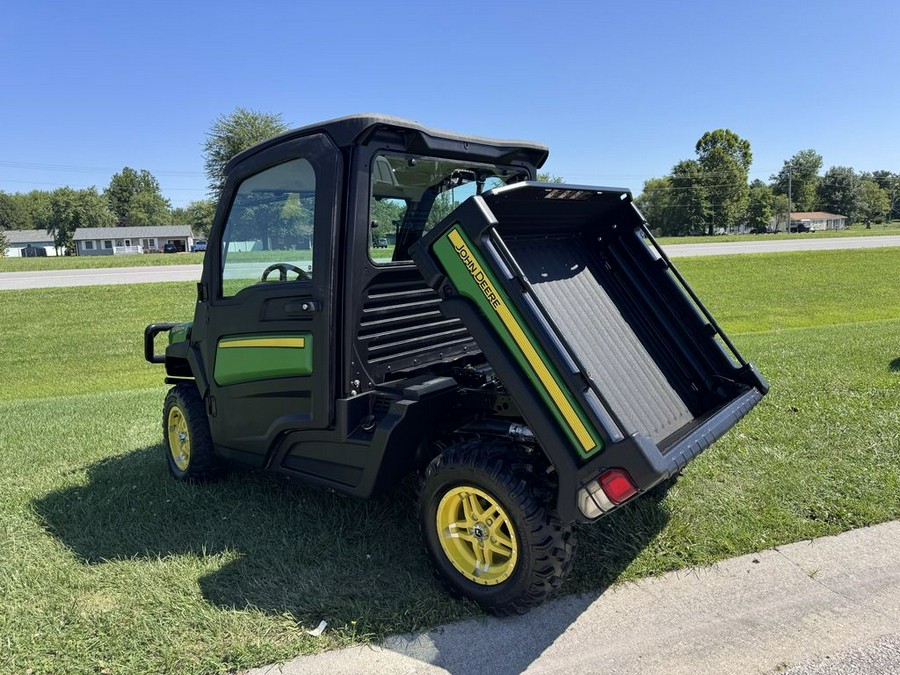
[
  {"x": 477, "y": 535},
  {"x": 490, "y": 527},
  {"x": 179, "y": 438},
  {"x": 188, "y": 446}
]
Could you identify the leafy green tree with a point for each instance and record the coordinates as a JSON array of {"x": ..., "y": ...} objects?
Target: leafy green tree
[
  {"x": 546, "y": 177},
  {"x": 883, "y": 179},
  {"x": 760, "y": 206},
  {"x": 4, "y": 243},
  {"x": 33, "y": 210},
  {"x": 387, "y": 214},
  {"x": 11, "y": 215},
  {"x": 444, "y": 203},
  {"x": 229, "y": 135},
  {"x": 689, "y": 204},
  {"x": 199, "y": 215},
  {"x": 800, "y": 176},
  {"x": 840, "y": 192},
  {"x": 724, "y": 159},
  {"x": 874, "y": 203},
  {"x": 134, "y": 198},
  {"x": 890, "y": 183},
  {"x": 655, "y": 202},
  {"x": 780, "y": 209},
  {"x": 71, "y": 209}
]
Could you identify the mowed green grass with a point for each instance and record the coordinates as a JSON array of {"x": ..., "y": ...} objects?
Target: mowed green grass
[
  {"x": 61, "y": 341},
  {"x": 107, "y": 563},
  {"x": 881, "y": 229},
  {"x": 98, "y": 261}
]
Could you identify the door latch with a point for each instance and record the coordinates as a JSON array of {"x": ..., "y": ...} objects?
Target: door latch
[{"x": 301, "y": 307}]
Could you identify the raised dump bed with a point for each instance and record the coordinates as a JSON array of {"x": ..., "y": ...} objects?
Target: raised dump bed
[{"x": 598, "y": 338}]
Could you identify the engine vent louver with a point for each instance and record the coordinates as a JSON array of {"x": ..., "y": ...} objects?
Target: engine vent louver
[{"x": 401, "y": 327}]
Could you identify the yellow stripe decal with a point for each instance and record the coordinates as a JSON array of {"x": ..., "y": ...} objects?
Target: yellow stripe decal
[
  {"x": 540, "y": 368},
  {"x": 296, "y": 342}
]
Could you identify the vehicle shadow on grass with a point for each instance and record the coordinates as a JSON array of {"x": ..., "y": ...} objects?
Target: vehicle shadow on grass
[{"x": 287, "y": 549}]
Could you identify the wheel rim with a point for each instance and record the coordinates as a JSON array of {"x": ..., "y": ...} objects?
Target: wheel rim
[
  {"x": 179, "y": 438},
  {"x": 477, "y": 535}
]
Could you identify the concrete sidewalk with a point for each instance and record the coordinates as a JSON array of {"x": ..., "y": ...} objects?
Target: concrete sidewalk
[{"x": 798, "y": 605}]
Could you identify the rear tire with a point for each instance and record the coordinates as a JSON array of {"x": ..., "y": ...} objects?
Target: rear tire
[
  {"x": 489, "y": 536},
  {"x": 187, "y": 443}
]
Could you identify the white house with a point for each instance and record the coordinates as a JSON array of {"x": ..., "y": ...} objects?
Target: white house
[
  {"x": 817, "y": 221},
  {"x": 123, "y": 240},
  {"x": 29, "y": 243}
]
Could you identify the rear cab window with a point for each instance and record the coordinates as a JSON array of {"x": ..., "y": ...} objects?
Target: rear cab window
[{"x": 410, "y": 195}]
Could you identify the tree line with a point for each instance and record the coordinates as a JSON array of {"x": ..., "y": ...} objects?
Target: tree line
[
  {"x": 708, "y": 194},
  {"x": 711, "y": 193},
  {"x": 133, "y": 197}
]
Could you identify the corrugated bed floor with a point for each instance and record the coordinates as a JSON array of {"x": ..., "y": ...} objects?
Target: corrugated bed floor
[{"x": 568, "y": 283}]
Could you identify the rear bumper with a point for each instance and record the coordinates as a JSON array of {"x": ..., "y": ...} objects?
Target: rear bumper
[{"x": 647, "y": 464}]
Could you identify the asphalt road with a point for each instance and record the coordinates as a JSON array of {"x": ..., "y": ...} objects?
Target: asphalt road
[
  {"x": 818, "y": 607},
  {"x": 139, "y": 275},
  {"x": 775, "y": 246},
  {"x": 98, "y": 277}
]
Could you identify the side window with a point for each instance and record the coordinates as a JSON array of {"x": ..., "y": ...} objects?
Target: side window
[{"x": 269, "y": 232}]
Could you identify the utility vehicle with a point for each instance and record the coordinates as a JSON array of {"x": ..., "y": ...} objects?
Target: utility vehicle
[{"x": 528, "y": 347}]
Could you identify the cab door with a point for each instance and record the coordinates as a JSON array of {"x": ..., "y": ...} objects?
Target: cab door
[{"x": 266, "y": 329}]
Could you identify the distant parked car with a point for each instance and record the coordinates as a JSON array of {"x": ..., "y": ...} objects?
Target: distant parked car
[
  {"x": 199, "y": 246},
  {"x": 170, "y": 248}
]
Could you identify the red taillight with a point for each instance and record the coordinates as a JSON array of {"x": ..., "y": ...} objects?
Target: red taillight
[{"x": 617, "y": 485}]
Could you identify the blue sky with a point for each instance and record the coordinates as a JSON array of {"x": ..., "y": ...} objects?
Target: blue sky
[{"x": 619, "y": 91}]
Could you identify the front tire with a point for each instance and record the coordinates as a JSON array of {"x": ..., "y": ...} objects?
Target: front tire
[
  {"x": 187, "y": 442},
  {"x": 488, "y": 535}
]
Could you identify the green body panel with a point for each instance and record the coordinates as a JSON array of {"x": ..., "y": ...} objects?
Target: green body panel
[
  {"x": 483, "y": 296},
  {"x": 261, "y": 356},
  {"x": 181, "y": 332}
]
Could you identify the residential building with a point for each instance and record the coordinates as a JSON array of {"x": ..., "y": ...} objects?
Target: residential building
[
  {"x": 816, "y": 221},
  {"x": 127, "y": 240},
  {"x": 29, "y": 243}
]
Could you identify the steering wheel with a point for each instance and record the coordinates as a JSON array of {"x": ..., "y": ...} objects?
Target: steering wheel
[{"x": 283, "y": 269}]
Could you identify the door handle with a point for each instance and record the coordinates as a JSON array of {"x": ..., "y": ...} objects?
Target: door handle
[{"x": 302, "y": 307}]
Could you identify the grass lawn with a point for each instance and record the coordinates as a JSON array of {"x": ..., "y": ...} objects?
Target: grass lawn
[
  {"x": 853, "y": 231},
  {"x": 98, "y": 261},
  {"x": 108, "y": 564}
]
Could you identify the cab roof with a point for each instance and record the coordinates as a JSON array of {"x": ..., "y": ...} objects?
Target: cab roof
[{"x": 360, "y": 129}]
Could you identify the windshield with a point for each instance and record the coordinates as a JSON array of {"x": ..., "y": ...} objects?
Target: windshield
[{"x": 410, "y": 195}]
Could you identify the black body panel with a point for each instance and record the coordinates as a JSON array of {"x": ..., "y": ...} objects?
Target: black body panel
[{"x": 247, "y": 417}]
